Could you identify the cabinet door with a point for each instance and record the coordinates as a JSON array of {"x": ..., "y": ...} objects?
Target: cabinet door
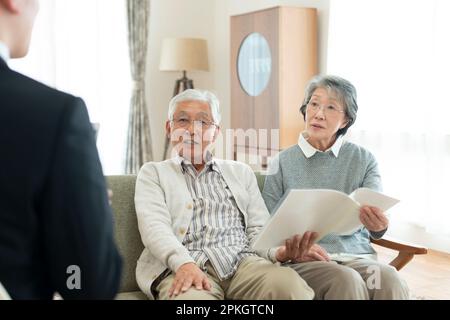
[
  {"x": 242, "y": 104},
  {"x": 283, "y": 51},
  {"x": 254, "y": 70},
  {"x": 266, "y": 104},
  {"x": 298, "y": 64}
]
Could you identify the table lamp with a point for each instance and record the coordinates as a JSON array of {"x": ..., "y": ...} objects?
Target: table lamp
[{"x": 184, "y": 54}]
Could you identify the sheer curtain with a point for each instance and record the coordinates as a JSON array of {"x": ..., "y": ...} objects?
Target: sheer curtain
[
  {"x": 397, "y": 55},
  {"x": 80, "y": 46},
  {"x": 139, "y": 144}
]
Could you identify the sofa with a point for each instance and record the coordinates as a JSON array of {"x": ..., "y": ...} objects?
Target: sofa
[
  {"x": 130, "y": 245},
  {"x": 127, "y": 234}
]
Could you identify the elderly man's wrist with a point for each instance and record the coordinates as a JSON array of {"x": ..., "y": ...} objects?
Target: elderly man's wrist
[
  {"x": 272, "y": 255},
  {"x": 278, "y": 257}
]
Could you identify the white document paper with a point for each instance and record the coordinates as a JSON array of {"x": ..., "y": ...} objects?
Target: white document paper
[{"x": 321, "y": 211}]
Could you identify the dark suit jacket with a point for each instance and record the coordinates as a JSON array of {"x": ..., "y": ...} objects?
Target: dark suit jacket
[{"x": 54, "y": 210}]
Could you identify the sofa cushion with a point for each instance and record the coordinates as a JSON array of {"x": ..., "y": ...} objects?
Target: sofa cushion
[
  {"x": 260, "y": 178},
  {"x": 134, "y": 295}
]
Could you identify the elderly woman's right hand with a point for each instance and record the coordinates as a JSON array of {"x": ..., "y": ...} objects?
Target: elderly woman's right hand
[
  {"x": 302, "y": 249},
  {"x": 189, "y": 275}
]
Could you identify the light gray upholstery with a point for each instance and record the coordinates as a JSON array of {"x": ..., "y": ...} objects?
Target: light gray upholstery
[
  {"x": 132, "y": 295},
  {"x": 126, "y": 231}
]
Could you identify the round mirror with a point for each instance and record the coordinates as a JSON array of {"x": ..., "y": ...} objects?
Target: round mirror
[{"x": 254, "y": 64}]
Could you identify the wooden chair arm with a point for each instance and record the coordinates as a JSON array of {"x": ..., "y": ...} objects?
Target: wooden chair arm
[
  {"x": 406, "y": 251},
  {"x": 400, "y": 246}
]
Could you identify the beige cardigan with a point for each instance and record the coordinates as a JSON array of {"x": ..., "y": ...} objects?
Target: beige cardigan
[{"x": 164, "y": 210}]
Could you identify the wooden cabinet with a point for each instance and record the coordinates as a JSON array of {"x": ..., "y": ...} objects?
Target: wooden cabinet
[{"x": 291, "y": 35}]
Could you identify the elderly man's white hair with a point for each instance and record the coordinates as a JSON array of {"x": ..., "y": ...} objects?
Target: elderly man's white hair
[{"x": 197, "y": 95}]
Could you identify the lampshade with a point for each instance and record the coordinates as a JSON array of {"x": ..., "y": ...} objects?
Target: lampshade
[{"x": 184, "y": 54}]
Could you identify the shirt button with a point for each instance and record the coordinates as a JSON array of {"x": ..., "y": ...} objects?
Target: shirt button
[
  {"x": 182, "y": 231},
  {"x": 189, "y": 206}
]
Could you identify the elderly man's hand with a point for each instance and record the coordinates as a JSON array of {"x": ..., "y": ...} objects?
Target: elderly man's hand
[
  {"x": 189, "y": 275},
  {"x": 302, "y": 249},
  {"x": 373, "y": 219},
  {"x": 316, "y": 253}
]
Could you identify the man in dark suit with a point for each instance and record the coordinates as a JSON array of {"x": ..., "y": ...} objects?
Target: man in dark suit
[{"x": 56, "y": 231}]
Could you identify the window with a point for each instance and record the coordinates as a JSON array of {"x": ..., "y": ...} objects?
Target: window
[
  {"x": 397, "y": 53},
  {"x": 81, "y": 47}
]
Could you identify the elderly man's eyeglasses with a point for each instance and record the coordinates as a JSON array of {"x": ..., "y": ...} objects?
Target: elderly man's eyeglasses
[
  {"x": 328, "y": 110},
  {"x": 186, "y": 122}
]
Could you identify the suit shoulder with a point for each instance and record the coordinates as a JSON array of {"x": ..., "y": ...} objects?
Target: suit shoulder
[{"x": 20, "y": 84}]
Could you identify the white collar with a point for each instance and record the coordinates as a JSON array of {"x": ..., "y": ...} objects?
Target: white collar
[
  {"x": 309, "y": 150},
  {"x": 4, "y": 52}
]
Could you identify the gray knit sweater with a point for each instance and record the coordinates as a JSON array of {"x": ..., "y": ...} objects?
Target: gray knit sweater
[{"x": 355, "y": 167}]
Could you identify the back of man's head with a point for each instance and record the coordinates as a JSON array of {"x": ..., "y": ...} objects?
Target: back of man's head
[{"x": 16, "y": 24}]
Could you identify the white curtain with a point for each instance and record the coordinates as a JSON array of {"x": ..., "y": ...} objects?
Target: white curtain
[
  {"x": 397, "y": 53},
  {"x": 81, "y": 47}
]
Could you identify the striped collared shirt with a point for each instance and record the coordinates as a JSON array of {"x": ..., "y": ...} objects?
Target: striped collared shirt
[{"x": 217, "y": 230}]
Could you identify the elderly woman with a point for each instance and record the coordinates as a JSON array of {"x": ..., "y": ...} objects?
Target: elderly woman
[{"x": 337, "y": 267}]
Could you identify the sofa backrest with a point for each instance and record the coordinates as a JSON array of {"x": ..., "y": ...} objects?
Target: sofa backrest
[
  {"x": 128, "y": 238},
  {"x": 126, "y": 230},
  {"x": 261, "y": 178}
]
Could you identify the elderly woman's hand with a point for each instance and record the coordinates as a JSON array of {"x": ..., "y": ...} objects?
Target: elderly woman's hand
[
  {"x": 373, "y": 219},
  {"x": 301, "y": 249}
]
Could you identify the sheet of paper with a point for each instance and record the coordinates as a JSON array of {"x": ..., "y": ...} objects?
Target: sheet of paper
[
  {"x": 368, "y": 197},
  {"x": 321, "y": 211}
]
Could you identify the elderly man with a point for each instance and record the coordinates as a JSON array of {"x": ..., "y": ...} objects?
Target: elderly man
[{"x": 198, "y": 215}]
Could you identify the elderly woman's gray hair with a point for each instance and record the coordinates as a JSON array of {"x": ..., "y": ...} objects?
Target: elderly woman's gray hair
[
  {"x": 197, "y": 95},
  {"x": 345, "y": 92}
]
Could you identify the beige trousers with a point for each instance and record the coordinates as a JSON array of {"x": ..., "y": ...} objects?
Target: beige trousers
[
  {"x": 255, "y": 279},
  {"x": 358, "y": 279}
]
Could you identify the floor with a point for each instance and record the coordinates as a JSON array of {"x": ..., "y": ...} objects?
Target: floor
[{"x": 428, "y": 276}]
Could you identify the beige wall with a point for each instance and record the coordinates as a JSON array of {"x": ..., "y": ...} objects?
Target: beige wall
[
  {"x": 208, "y": 19},
  {"x": 174, "y": 18}
]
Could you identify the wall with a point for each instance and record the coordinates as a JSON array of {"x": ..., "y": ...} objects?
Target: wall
[
  {"x": 410, "y": 233},
  {"x": 174, "y": 18},
  {"x": 208, "y": 19}
]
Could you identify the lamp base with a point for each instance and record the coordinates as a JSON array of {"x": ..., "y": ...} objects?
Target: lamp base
[{"x": 183, "y": 84}]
